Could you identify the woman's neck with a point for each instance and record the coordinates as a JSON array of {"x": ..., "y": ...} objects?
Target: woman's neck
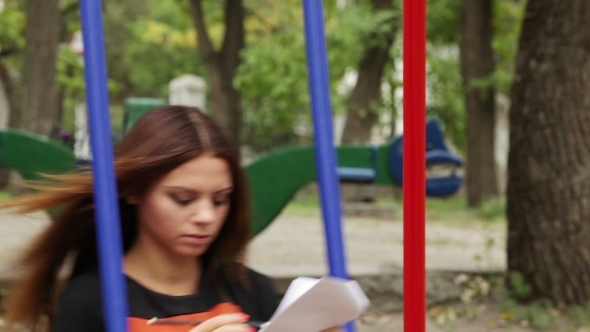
[{"x": 161, "y": 271}]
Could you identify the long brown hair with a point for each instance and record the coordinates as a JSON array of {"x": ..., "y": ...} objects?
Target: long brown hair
[{"x": 160, "y": 141}]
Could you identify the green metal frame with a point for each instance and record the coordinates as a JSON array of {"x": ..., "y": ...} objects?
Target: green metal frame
[{"x": 273, "y": 179}]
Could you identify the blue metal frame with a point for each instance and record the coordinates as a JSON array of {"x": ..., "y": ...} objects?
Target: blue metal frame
[
  {"x": 107, "y": 216},
  {"x": 108, "y": 228},
  {"x": 319, "y": 86}
]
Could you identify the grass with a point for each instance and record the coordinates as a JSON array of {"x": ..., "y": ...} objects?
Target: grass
[
  {"x": 304, "y": 206},
  {"x": 496, "y": 307},
  {"x": 451, "y": 210},
  {"x": 5, "y": 195},
  {"x": 491, "y": 306}
]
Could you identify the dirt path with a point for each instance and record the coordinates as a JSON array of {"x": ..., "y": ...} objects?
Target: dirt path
[{"x": 295, "y": 246}]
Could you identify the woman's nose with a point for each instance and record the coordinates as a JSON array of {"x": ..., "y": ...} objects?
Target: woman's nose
[{"x": 204, "y": 212}]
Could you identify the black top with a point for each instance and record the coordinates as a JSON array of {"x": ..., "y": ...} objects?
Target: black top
[{"x": 79, "y": 307}]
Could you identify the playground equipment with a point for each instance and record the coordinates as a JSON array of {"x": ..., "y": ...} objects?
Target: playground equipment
[
  {"x": 32, "y": 155},
  {"x": 136, "y": 107},
  {"x": 274, "y": 178},
  {"x": 437, "y": 153},
  {"x": 108, "y": 230}
]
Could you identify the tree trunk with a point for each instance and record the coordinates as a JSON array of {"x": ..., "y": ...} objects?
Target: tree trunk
[
  {"x": 549, "y": 160},
  {"x": 477, "y": 62},
  {"x": 362, "y": 113},
  {"x": 118, "y": 34},
  {"x": 9, "y": 82},
  {"x": 221, "y": 65},
  {"x": 11, "y": 178},
  {"x": 394, "y": 84},
  {"x": 39, "y": 93}
]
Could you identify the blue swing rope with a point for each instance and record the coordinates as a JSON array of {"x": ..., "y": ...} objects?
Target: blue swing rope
[
  {"x": 325, "y": 152},
  {"x": 110, "y": 250}
]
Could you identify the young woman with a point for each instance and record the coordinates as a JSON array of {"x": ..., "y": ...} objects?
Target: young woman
[{"x": 185, "y": 225}]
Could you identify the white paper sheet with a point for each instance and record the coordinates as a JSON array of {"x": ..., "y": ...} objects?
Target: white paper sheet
[{"x": 313, "y": 305}]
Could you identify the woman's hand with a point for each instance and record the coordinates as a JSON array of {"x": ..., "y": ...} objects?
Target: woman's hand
[
  {"x": 234, "y": 323},
  {"x": 225, "y": 323}
]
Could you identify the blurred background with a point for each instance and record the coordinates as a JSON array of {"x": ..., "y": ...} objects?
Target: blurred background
[{"x": 507, "y": 82}]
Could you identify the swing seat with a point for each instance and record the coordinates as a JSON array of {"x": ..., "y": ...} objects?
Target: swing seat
[
  {"x": 354, "y": 174},
  {"x": 360, "y": 174},
  {"x": 437, "y": 155}
]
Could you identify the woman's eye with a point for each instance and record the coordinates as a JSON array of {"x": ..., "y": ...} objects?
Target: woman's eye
[
  {"x": 181, "y": 201},
  {"x": 221, "y": 201}
]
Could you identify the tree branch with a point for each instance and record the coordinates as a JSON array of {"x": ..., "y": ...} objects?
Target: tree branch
[
  {"x": 9, "y": 51},
  {"x": 382, "y": 4},
  {"x": 234, "y": 39},
  {"x": 70, "y": 9},
  {"x": 271, "y": 27},
  {"x": 204, "y": 44}
]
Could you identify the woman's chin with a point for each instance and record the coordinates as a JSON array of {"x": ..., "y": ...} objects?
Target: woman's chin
[{"x": 190, "y": 252}]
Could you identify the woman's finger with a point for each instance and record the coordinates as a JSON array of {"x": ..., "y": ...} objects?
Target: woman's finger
[
  {"x": 334, "y": 329},
  {"x": 236, "y": 328},
  {"x": 217, "y": 322}
]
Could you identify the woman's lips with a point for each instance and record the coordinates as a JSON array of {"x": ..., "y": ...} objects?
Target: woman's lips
[{"x": 197, "y": 239}]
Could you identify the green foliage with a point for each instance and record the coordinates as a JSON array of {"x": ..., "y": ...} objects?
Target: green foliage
[
  {"x": 493, "y": 209},
  {"x": 507, "y": 22},
  {"x": 519, "y": 288},
  {"x": 445, "y": 100},
  {"x": 444, "y": 21},
  {"x": 151, "y": 42},
  {"x": 580, "y": 314},
  {"x": 538, "y": 315},
  {"x": 273, "y": 75},
  {"x": 166, "y": 50},
  {"x": 272, "y": 80},
  {"x": 70, "y": 79},
  {"x": 12, "y": 26},
  {"x": 5, "y": 195},
  {"x": 148, "y": 44},
  {"x": 150, "y": 50},
  {"x": 70, "y": 71}
]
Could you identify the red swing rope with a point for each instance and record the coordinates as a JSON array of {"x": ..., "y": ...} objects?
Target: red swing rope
[{"x": 414, "y": 182}]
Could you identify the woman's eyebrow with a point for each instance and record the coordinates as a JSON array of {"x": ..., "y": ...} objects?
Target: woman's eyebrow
[
  {"x": 224, "y": 190},
  {"x": 196, "y": 191},
  {"x": 182, "y": 188}
]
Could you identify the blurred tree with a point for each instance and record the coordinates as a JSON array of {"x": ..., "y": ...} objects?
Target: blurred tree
[
  {"x": 548, "y": 186},
  {"x": 120, "y": 19},
  {"x": 365, "y": 98},
  {"x": 273, "y": 74},
  {"x": 12, "y": 42},
  {"x": 446, "y": 99},
  {"x": 222, "y": 64},
  {"x": 39, "y": 99},
  {"x": 162, "y": 47},
  {"x": 477, "y": 63},
  {"x": 12, "y": 25}
]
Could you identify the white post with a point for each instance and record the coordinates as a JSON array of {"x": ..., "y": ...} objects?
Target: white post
[
  {"x": 4, "y": 106},
  {"x": 188, "y": 90},
  {"x": 81, "y": 136},
  {"x": 82, "y": 143}
]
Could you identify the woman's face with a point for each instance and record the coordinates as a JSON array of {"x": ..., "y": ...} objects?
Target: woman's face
[{"x": 184, "y": 212}]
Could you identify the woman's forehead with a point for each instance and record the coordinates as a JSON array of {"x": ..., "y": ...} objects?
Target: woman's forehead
[{"x": 201, "y": 173}]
